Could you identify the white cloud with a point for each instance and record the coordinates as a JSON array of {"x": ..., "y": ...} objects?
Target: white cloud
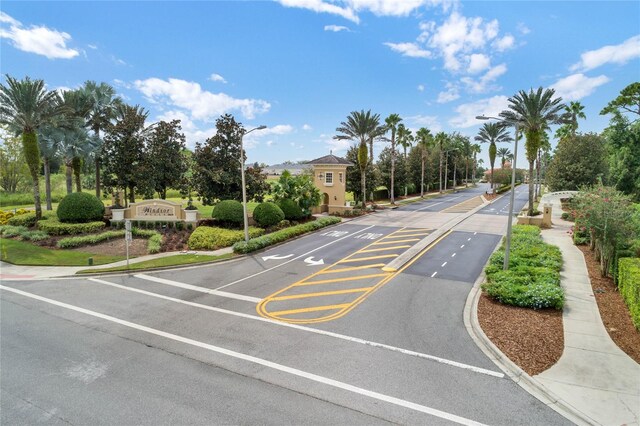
[
  {"x": 320, "y": 6},
  {"x": 618, "y": 54},
  {"x": 191, "y": 131},
  {"x": 409, "y": 49},
  {"x": 120, "y": 83},
  {"x": 201, "y": 104},
  {"x": 484, "y": 83},
  {"x": 478, "y": 62},
  {"x": 429, "y": 121},
  {"x": 523, "y": 28},
  {"x": 451, "y": 94},
  {"x": 306, "y": 127},
  {"x": 336, "y": 28},
  {"x": 253, "y": 139},
  {"x": 92, "y": 46},
  {"x": 578, "y": 86},
  {"x": 36, "y": 39},
  {"x": 420, "y": 87},
  {"x": 269, "y": 143},
  {"x": 467, "y": 112},
  {"x": 217, "y": 77},
  {"x": 117, "y": 61},
  {"x": 504, "y": 43},
  {"x": 338, "y": 146}
]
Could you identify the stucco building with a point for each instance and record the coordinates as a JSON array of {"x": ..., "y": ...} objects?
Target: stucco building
[{"x": 330, "y": 176}]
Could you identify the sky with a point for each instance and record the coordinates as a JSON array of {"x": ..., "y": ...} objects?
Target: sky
[{"x": 301, "y": 66}]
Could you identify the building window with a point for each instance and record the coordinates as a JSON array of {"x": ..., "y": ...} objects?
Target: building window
[
  {"x": 328, "y": 178},
  {"x": 340, "y": 177}
]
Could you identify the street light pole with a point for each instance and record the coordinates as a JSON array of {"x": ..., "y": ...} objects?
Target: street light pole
[
  {"x": 507, "y": 245},
  {"x": 244, "y": 185}
]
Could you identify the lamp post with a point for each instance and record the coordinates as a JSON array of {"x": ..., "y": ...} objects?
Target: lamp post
[
  {"x": 244, "y": 185},
  {"x": 507, "y": 245}
]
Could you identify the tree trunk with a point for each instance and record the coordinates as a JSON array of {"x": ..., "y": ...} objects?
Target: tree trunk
[
  {"x": 363, "y": 186},
  {"x": 440, "y": 174},
  {"x": 446, "y": 171},
  {"x": 76, "y": 175},
  {"x": 422, "y": 179},
  {"x": 454, "y": 174},
  {"x": 98, "y": 177},
  {"x": 47, "y": 183},
  {"x": 475, "y": 169},
  {"x": 466, "y": 173},
  {"x": 539, "y": 190},
  {"x": 68, "y": 174},
  {"x": 530, "y": 210},
  {"x": 32, "y": 156},
  {"x": 132, "y": 195},
  {"x": 393, "y": 169}
]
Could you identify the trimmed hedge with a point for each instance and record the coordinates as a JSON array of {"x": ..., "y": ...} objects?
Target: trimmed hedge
[
  {"x": 213, "y": 238},
  {"x": 629, "y": 285},
  {"x": 80, "y": 207},
  {"x": 268, "y": 214},
  {"x": 85, "y": 240},
  {"x": 533, "y": 277},
  {"x": 291, "y": 209},
  {"x": 229, "y": 211},
  {"x": 5, "y": 215},
  {"x": 283, "y": 235},
  {"x": 54, "y": 227},
  {"x": 27, "y": 219}
]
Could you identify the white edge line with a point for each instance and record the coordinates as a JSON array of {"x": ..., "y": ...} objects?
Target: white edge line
[
  {"x": 255, "y": 360},
  {"x": 200, "y": 289},
  {"x": 453, "y": 255},
  {"x": 309, "y": 329},
  {"x": 434, "y": 274},
  {"x": 442, "y": 266},
  {"x": 295, "y": 258}
]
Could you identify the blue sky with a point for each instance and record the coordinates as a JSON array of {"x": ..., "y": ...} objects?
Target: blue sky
[{"x": 301, "y": 66}]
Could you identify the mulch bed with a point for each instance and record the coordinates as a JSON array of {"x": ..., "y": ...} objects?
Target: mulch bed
[
  {"x": 116, "y": 247},
  {"x": 533, "y": 340},
  {"x": 175, "y": 240},
  {"x": 614, "y": 312}
]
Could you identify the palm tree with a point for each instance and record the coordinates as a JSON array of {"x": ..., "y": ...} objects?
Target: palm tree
[
  {"x": 424, "y": 138},
  {"x": 25, "y": 106},
  {"x": 362, "y": 127},
  {"x": 534, "y": 112},
  {"x": 466, "y": 149},
  {"x": 563, "y": 132},
  {"x": 104, "y": 106},
  {"x": 504, "y": 154},
  {"x": 79, "y": 104},
  {"x": 492, "y": 133},
  {"x": 405, "y": 138},
  {"x": 392, "y": 122},
  {"x": 475, "y": 149},
  {"x": 441, "y": 139},
  {"x": 574, "y": 110},
  {"x": 49, "y": 137}
]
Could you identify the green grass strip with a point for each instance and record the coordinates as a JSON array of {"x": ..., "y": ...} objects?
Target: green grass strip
[
  {"x": 176, "y": 260},
  {"x": 22, "y": 253}
]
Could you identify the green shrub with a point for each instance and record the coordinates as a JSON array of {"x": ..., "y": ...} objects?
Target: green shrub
[
  {"x": 290, "y": 208},
  {"x": 85, "y": 240},
  {"x": 154, "y": 243},
  {"x": 27, "y": 219},
  {"x": 229, "y": 211},
  {"x": 80, "y": 207},
  {"x": 533, "y": 277},
  {"x": 629, "y": 285},
  {"x": 53, "y": 227},
  {"x": 212, "y": 238},
  {"x": 267, "y": 214},
  {"x": 36, "y": 235},
  {"x": 283, "y": 235},
  {"x": 10, "y": 231}
]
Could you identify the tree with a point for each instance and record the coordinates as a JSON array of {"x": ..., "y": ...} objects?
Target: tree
[
  {"x": 405, "y": 138},
  {"x": 361, "y": 127},
  {"x": 392, "y": 122},
  {"x": 493, "y": 133},
  {"x": 49, "y": 138},
  {"x": 13, "y": 168},
  {"x": 534, "y": 112},
  {"x": 299, "y": 188},
  {"x": 354, "y": 175},
  {"x": 475, "y": 149},
  {"x": 76, "y": 138},
  {"x": 577, "y": 162},
  {"x": 504, "y": 154},
  {"x": 574, "y": 110},
  {"x": 627, "y": 101},
  {"x": 384, "y": 167},
  {"x": 441, "y": 139},
  {"x": 623, "y": 146},
  {"x": 104, "y": 107},
  {"x": 424, "y": 139},
  {"x": 26, "y": 105},
  {"x": 163, "y": 156},
  {"x": 123, "y": 150}
]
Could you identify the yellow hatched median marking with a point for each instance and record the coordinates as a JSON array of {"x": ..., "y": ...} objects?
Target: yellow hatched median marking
[
  {"x": 312, "y": 309},
  {"x": 402, "y": 231},
  {"x": 337, "y": 280},
  {"x": 352, "y": 268},
  {"x": 323, "y": 293},
  {"x": 382, "y": 256},
  {"x": 396, "y": 242},
  {"x": 383, "y": 249},
  {"x": 422, "y": 234}
]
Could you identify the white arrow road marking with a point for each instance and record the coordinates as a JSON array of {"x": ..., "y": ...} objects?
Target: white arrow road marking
[
  {"x": 276, "y": 257},
  {"x": 312, "y": 262}
]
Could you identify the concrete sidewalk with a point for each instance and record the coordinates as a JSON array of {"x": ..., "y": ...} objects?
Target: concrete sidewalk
[
  {"x": 593, "y": 376},
  {"x": 23, "y": 272}
]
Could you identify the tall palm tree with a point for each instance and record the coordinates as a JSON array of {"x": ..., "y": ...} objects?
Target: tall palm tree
[
  {"x": 49, "y": 137},
  {"x": 405, "y": 138},
  {"x": 574, "y": 110},
  {"x": 25, "y": 105},
  {"x": 504, "y": 154},
  {"x": 392, "y": 122},
  {"x": 563, "y": 132},
  {"x": 424, "y": 138},
  {"x": 362, "y": 127},
  {"x": 104, "y": 107},
  {"x": 493, "y": 133},
  {"x": 466, "y": 151},
  {"x": 75, "y": 147},
  {"x": 441, "y": 139},
  {"x": 534, "y": 112},
  {"x": 475, "y": 149}
]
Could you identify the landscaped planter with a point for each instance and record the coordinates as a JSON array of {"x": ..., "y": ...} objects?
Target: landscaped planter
[{"x": 117, "y": 214}]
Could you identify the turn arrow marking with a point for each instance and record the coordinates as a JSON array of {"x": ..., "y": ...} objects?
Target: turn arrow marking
[
  {"x": 312, "y": 262},
  {"x": 276, "y": 257}
]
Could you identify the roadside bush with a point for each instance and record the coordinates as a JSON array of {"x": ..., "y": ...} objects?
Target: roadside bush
[
  {"x": 85, "y": 240},
  {"x": 267, "y": 214},
  {"x": 10, "y": 231},
  {"x": 229, "y": 211},
  {"x": 212, "y": 238},
  {"x": 629, "y": 285},
  {"x": 290, "y": 208},
  {"x": 53, "y": 227},
  {"x": 154, "y": 243},
  {"x": 283, "y": 235},
  {"x": 36, "y": 235},
  {"x": 533, "y": 277},
  {"x": 5, "y": 215},
  {"x": 27, "y": 219},
  {"x": 80, "y": 207}
]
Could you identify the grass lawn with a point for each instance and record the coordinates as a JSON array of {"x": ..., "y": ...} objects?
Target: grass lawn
[
  {"x": 23, "y": 253},
  {"x": 178, "y": 259}
]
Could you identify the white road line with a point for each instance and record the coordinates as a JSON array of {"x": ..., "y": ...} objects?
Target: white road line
[
  {"x": 200, "y": 289},
  {"x": 255, "y": 360},
  {"x": 308, "y": 329},
  {"x": 295, "y": 258},
  {"x": 474, "y": 233},
  {"x": 469, "y": 239},
  {"x": 441, "y": 202},
  {"x": 434, "y": 274},
  {"x": 462, "y": 246},
  {"x": 442, "y": 266},
  {"x": 453, "y": 255}
]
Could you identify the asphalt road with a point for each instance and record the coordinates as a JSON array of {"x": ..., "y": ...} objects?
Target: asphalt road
[{"x": 308, "y": 332}]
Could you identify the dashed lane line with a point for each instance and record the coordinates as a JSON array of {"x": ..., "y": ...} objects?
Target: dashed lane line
[{"x": 254, "y": 360}]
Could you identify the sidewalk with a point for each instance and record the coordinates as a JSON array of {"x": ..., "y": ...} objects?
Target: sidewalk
[
  {"x": 23, "y": 272},
  {"x": 593, "y": 376}
]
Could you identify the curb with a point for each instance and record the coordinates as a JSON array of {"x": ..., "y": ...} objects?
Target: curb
[{"x": 515, "y": 373}]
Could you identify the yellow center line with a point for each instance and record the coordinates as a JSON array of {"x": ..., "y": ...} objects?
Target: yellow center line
[
  {"x": 382, "y": 256},
  {"x": 410, "y": 240},
  {"x": 383, "y": 249},
  {"x": 312, "y": 309},
  {"x": 323, "y": 293},
  {"x": 353, "y": 268},
  {"x": 337, "y": 280}
]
